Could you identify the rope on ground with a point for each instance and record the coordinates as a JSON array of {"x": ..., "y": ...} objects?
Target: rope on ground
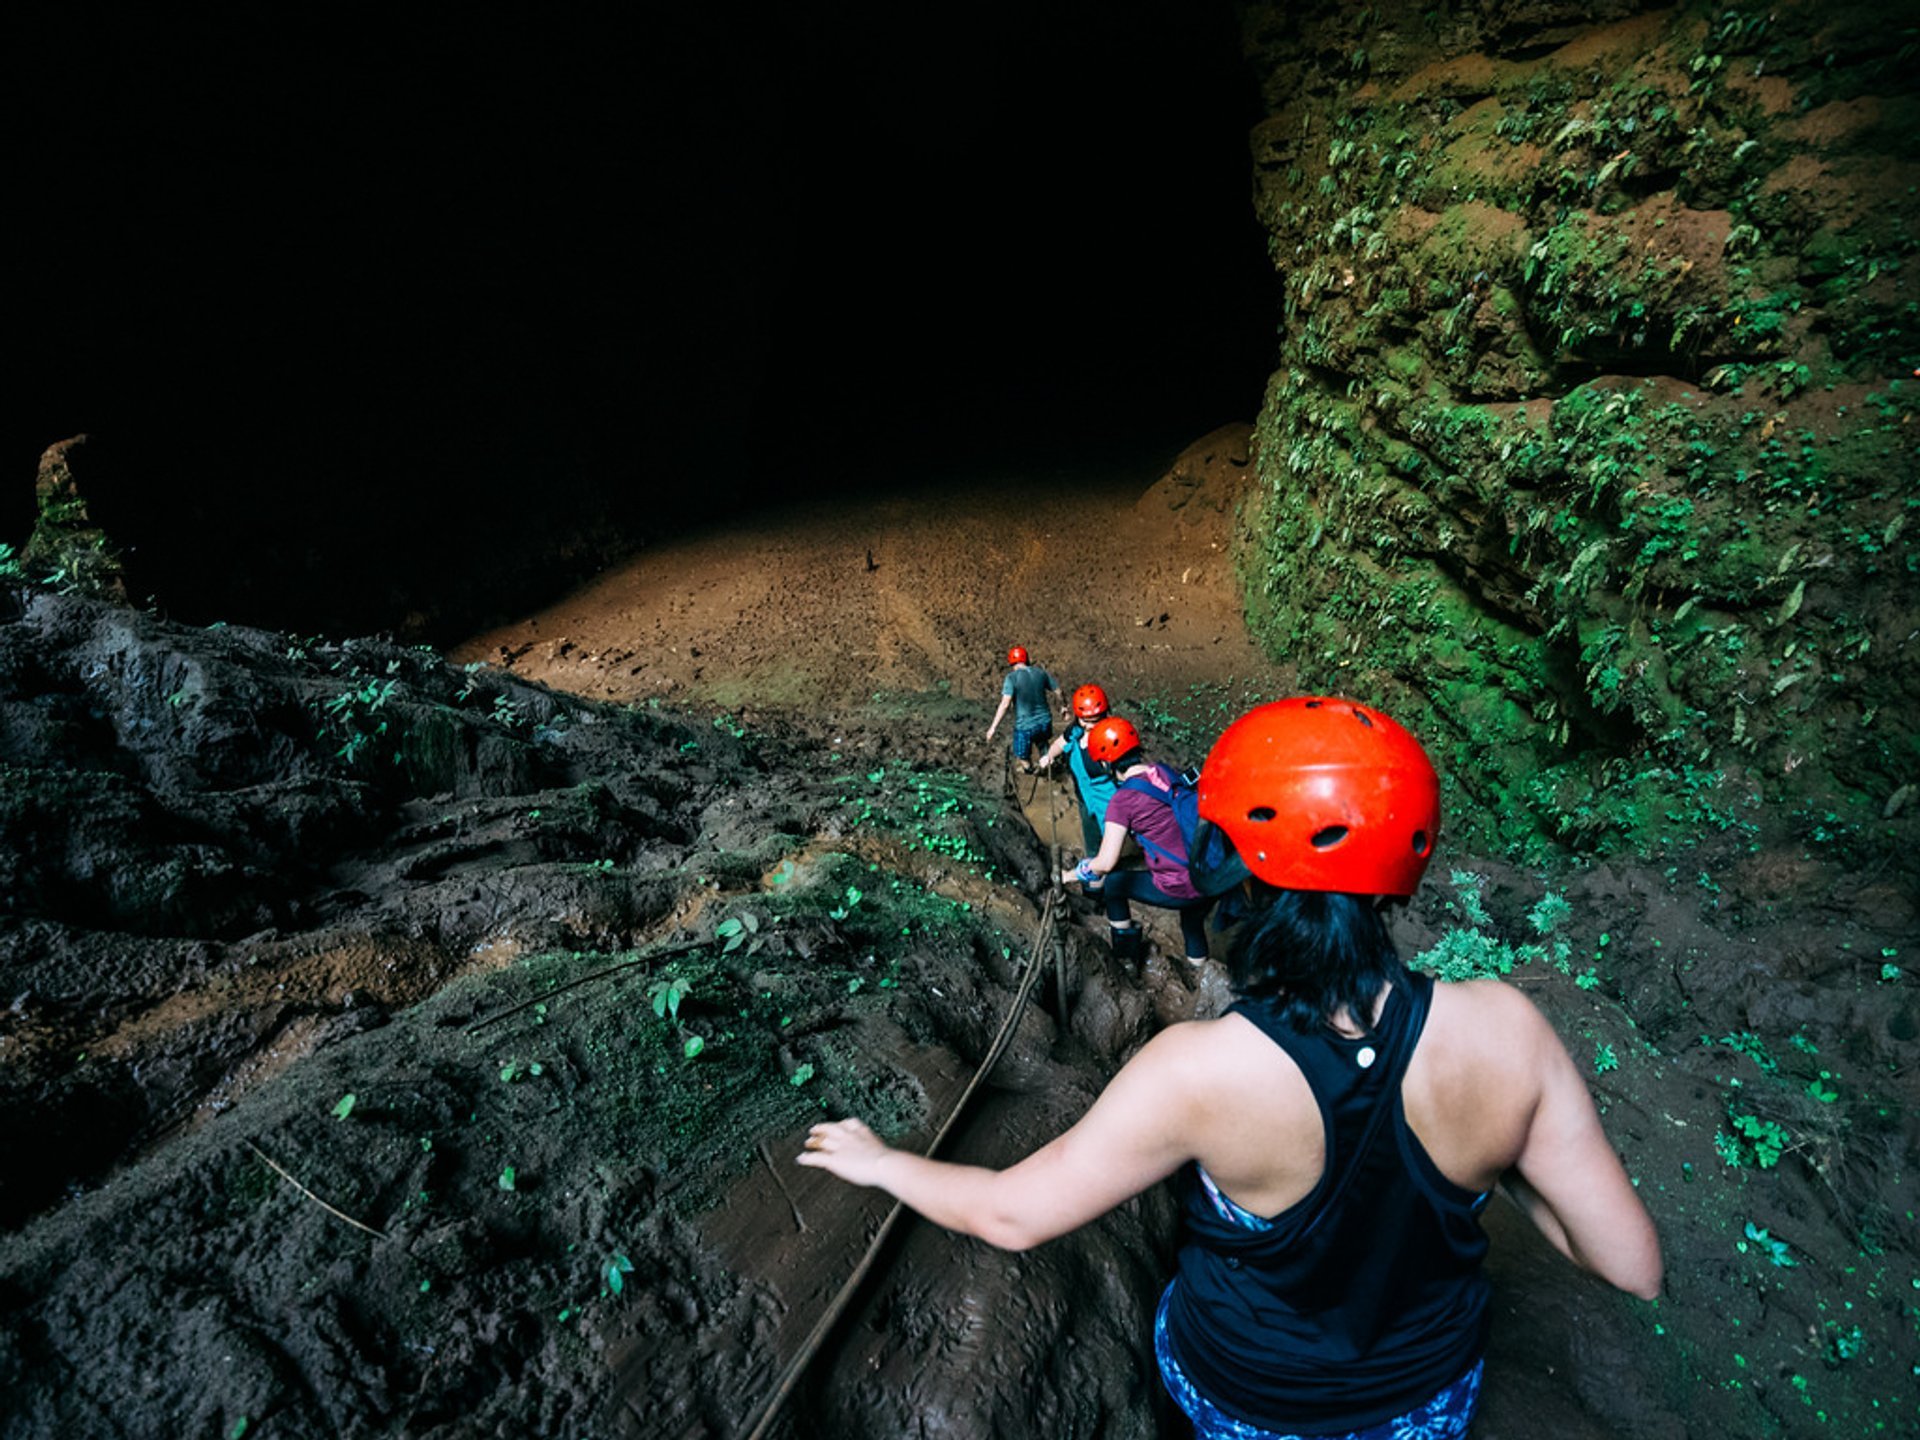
[
  {"x": 648, "y": 959},
  {"x": 337, "y": 1214},
  {"x": 1055, "y": 890},
  {"x": 1045, "y": 937}
]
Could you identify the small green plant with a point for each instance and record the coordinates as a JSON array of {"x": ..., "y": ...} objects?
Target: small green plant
[
  {"x": 10, "y": 563},
  {"x": 1820, "y": 1090},
  {"x": 1466, "y": 955},
  {"x": 1844, "y": 1345},
  {"x": 1756, "y": 1142},
  {"x": 693, "y": 1046},
  {"x": 1775, "y": 1250},
  {"x": 509, "y": 714},
  {"x": 736, "y": 930},
  {"x": 1746, "y": 1043},
  {"x": 513, "y": 1070},
  {"x": 615, "y": 1272},
  {"x": 353, "y": 718},
  {"x": 1548, "y": 913},
  {"x": 1467, "y": 887},
  {"x": 506, "y": 1180},
  {"x": 840, "y": 912},
  {"x": 665, "y": 996},
  {"x": 1604, "y": 1059},
  {"x": 801, "y": 1074},
  {"x": 345, "y": 1108}
]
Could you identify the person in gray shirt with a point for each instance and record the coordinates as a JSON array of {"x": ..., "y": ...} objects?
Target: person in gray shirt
[{"x": 1025, "y": 689}]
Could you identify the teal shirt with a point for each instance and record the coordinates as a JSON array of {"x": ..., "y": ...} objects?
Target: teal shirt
[
  {"x": 1096, "y": 789},
  {"x": 1028, "y": 685}
]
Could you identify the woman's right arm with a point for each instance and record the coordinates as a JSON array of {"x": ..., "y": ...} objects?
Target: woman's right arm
[
  {"x": 998, "y": 715},
  {"x": 1113, "y": 840},
  {"x": 1138, "y": 1131},
  {"x": 1571, "y": 1184}
]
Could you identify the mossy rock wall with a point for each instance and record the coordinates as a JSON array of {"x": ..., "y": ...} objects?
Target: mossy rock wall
[{"x": 1591, "y": 443}]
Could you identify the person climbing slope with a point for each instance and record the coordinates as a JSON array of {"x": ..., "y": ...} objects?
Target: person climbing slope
[
  {"x": 1142, "y": 807},
  {"x": 1338, "y": 1132},
  {"x": 1091, "y": 782},
  {"x": 1025, "y": 689}
]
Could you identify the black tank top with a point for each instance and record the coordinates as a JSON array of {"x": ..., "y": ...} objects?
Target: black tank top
[{"x": 1366, "y": 1298}]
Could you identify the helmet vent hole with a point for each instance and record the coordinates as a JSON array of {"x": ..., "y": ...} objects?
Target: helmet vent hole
[
  {"x": 1262, "y": 813},
  {"x": 1329, "y": 837},
  {"x": 1364, "y": 718},
  {"x": 1420, "y": 842},
  {"x": 1315, "y": 704}
]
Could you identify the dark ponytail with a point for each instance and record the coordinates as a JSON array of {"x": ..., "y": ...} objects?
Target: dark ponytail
[{"x": 1314, "y": 953}]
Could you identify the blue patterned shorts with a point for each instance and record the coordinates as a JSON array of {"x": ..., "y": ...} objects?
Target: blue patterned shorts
[
  {"x": 1445, "y": 1417},
  {"x": 1027, "y": 737}
]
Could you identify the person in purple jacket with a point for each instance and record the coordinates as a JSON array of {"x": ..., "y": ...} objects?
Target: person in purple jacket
[{"x": 1137, "y": 810}]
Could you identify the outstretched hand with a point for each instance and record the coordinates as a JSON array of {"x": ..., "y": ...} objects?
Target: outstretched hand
[{"x": 847, "y": 1149}]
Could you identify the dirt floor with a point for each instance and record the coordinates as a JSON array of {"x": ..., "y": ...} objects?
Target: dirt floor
[{"x": 399, "y": 1046}]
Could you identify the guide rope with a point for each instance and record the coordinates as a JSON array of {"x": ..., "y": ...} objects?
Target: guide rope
[{"x": 1046, "y": 940}]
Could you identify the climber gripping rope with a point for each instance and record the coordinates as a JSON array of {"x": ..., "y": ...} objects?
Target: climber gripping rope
[
  {"x": 1145, "y": 806},
  {"x": 1091, "y": 782},
  {"x": 1025, "y": 688},
  {"x": 1337, "y": 1132}
]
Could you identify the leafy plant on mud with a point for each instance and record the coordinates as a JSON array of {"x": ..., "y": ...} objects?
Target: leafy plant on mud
[
  {"x": 354, "y": 718},
  {"x": 1475, "y": 950},
  {"x": 928, "y": 810}
]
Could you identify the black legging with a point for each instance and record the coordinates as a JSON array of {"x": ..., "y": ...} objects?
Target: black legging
[{"x": 1125, "y": 885}]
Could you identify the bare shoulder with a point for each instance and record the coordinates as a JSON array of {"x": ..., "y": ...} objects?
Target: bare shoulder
[
  {"x": 1488, "y": 1008},
  {"x": 1213, "y": 1055},
  {"x": 1198, "y": 1041},
  {"x": 1485, "y": 1032}
]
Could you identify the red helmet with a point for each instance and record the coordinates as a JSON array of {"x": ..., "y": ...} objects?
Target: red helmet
[
  {"x": 1017, "y": 655},
  {"x": 1089, "y": 702},
  {"x": 1318, "y": 793},
  {"x": 1112, "y": 739}
]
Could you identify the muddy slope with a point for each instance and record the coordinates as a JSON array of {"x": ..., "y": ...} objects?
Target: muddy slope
[
  {"x": 251, "y": 877},
  {"x": 282, "y": 1149}
]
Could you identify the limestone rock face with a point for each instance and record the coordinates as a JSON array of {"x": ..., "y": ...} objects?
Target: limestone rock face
[
  {"x": 1591, "y": 432},
  {"x": 66, "y": 549}
]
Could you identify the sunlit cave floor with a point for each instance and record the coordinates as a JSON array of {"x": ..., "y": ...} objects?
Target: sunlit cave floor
[{"x": 283, "y": 1151}]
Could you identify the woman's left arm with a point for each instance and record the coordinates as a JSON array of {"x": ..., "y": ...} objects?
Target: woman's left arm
[{"x": 1137, "y": 1132}]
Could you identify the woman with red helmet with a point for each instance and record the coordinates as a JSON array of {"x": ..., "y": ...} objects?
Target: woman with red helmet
[
  {"x": 1091, "y": 782},
  {"x": 1141, "y": 807},
  {"x": 1337, "y": 1132}
]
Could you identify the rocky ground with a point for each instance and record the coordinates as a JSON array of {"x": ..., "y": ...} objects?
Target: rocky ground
[{"x": 398, "y": 1045}]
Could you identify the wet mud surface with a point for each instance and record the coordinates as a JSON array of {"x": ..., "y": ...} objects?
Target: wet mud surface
[{"x": 394, "y": 1045}]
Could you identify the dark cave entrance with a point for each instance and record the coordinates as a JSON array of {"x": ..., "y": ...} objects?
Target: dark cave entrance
[{"x": 415, "y": 331}]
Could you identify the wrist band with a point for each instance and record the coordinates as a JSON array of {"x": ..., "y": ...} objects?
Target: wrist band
[{"x": 1084, "y": 870}]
